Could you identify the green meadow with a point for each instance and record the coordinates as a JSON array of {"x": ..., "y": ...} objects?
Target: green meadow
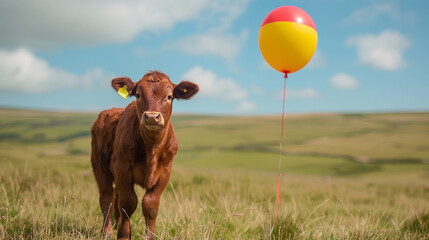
[{"x": 346, "y": 176}]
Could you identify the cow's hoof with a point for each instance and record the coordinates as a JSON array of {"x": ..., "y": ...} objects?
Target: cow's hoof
[{"x": 108, "y": 232}]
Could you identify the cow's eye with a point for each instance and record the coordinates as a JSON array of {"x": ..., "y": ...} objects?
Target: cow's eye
[
  {"x": 137, "y": 95},
  {"x": 170, "y": 97}
]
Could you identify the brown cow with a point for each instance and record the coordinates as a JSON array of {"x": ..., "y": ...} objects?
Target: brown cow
[{"x": 136, "y": 145}]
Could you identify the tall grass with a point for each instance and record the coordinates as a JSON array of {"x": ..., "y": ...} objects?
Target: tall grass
[{"x": 55, "y": 202}]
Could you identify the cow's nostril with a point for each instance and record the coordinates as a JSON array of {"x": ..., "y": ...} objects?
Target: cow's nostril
[
  {"x": 146, "y": 117},
  {"x": 158, "y": 116}
]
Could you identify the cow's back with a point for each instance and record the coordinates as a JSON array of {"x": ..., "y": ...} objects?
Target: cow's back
[{"x": 103, "y": 135}]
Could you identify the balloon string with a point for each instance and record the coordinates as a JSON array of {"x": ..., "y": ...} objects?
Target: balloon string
[{"x": 281, "y": 147}]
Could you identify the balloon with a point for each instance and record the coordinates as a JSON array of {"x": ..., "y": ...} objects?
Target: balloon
[{"x": 287, "y": 39}]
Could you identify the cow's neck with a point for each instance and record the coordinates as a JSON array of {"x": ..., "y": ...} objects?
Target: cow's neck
[{"x": 151, "y": 143}]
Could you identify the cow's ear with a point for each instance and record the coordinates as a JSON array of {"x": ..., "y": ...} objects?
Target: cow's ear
[
  {"x": 124, "y": 86},
  {"x": 185, "y": 90}
]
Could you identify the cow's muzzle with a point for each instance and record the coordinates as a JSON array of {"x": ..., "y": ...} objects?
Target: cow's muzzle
[{"x": 153, "y": 121}]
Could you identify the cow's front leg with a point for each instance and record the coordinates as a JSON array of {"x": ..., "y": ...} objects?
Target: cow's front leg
[
  {"x": 150, "y": 203},
  {"x": 127, "y": 203}
]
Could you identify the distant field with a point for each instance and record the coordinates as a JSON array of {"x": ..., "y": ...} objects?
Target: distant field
[{"x": 348, "y": 176}]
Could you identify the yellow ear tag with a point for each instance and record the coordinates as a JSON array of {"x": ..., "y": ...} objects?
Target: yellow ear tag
[
  {"x": 123, "y": 92},
  {"x": 185, "y": 90}
]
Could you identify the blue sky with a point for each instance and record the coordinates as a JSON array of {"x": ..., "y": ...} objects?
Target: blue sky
[{"x": 61, "y": 55}]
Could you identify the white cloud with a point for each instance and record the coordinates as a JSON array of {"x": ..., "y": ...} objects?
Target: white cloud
[
  {"x": 216, "y": 41},
  {"x": 257, "y": 90},
  {"x": 226, "y": 46},
  {"x": 227, "y": 12},
  {"x": 370, "y": 14},
  {"x": 245, "y": 106},
  {"x": 344, "y": 81},
  {"x": 302, "y": 93},
  {"x": 317, "y": 61},
  {"x": 383, "y": 51},
  {"x": 21, "y": 71},
  {"x": 306, "y": 93},
  {"x": 223, "y": 89},
  {"x": 44, "y": 23}
]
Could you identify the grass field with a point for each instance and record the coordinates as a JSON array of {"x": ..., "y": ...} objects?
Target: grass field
[{"x": 347, "y": 176}]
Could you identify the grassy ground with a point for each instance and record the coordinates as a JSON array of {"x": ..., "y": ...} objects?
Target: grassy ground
[{"x": 356, "y": 176}]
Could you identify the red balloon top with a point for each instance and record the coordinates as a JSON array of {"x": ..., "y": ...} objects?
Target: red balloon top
[{"x": 289, "y": 14}]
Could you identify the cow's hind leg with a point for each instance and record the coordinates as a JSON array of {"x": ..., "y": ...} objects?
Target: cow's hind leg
[
  {"x": 116, "y": 212},
  {"x": 105, "y": 188},
  {"x": 106, "y": 204},
  {"x": 127, "y": 203}
]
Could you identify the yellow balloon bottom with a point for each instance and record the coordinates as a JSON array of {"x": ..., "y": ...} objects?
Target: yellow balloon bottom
[{"x": 287, "y": 46}]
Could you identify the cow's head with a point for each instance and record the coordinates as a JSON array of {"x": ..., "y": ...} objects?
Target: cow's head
[{"x": 155, "y": 94}]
